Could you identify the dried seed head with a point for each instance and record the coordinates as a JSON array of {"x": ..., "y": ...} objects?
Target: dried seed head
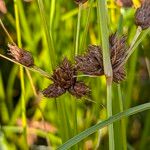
[
  {"x": 64, "y": 80},
  {"x": 142, "y": 15},
  {"x": 22, "y": 56},
  {"x": 80, "y": 1},
  {"x": 91, "y": 62},
  {"x": 53, "y": 91},
  {"x": 118, "y": 55},
  {"x": 79, "y": 90},
  {"x": 3, "y": 8},
  {"x": 125, "y": 3},
  {"x": 64, "y": 75}
]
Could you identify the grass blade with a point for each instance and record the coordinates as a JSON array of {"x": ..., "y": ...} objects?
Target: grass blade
[{"x": 116, "y": 117}]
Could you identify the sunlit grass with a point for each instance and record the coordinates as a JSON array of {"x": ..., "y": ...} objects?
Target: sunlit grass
[{"x": 52, "y": 30}]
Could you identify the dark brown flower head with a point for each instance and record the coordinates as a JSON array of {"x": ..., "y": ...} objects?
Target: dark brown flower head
[
  {"x": 22, "y": 56},
  {"x": 3, "y": 9},
  {"x": 80, "y": 1},
  {"x": 79, "y": 90},
  {"x": 64, "y": 78},
  {"x": 53, "y": 91},
  {"x": 91, "y": 63},
  {"x": 125, "y": 3},
  {"x": 142, "y": 15},
  {"x": 118, "y": 55}
]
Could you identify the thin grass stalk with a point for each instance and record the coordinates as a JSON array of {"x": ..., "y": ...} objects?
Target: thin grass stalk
[
  {"x": 24, "y": 23},
  {"x": 50, "y": 43},
  {"x": 52, "y": 11},
  {"x": 3, "y": 105},
  {"x": 104, "y": 34},
  {"x": 34, "y": 68},
  {"x": 146, "y": 130},
  {"x": 77, "y": 43},
  {"x": 93, "y": 129},
  {"x": 123, "y": 125},
  {"x": 23, "y": 103},
  {"x": 84, "y": 37},
  {"x": 78, "y": 30}
]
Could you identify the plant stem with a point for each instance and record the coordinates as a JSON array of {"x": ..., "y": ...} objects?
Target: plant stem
[
  {"x": 82, "y": 135},
  {"x": 84, "y": 37},
  {"x": 104, "y": 34},
  {"x": 131, "y": 50},
  {"x": 123, "y": 125},
  {"x": 34, "y": 68},
  {"x": 78, "y": 30},
  {"x": 23, "y": 103},
  {"x": 50, "y": 43}
]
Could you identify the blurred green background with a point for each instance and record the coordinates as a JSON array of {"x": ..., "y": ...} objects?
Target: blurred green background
[{"x": 46, "y": 123}]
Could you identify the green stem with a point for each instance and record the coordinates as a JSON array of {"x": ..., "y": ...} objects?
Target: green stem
[
  {"x": 34, "y": 68},
  {"x": 104, "y": 36},
  {"x": 23, "y": 103},
  {"x": 109, "y": 114},
  {"x": 83, "y": 42},
  {"x": 50, "y": 43},
  {"x": 131, "y": 50},
  {"x": 100, "y": 125},
  {"x": 123, "y": 125},
  {"x": 78, "y": 30}
]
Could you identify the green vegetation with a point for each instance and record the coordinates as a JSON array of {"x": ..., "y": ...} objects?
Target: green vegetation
[{"x": 114, "y": 116}]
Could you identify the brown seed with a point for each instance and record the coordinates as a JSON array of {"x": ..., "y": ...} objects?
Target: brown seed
[
  {"x": 142, "y": 15},
  {"x": 80, "y": 1},
  {"x": 53, "y": 91},
  {"x": 22, "y": 56},
  {"x": 79, "y": 90}
]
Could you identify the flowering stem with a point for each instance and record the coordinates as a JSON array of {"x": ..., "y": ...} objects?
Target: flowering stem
[
  {"x": 34, "y": 68},
  {"x": 78, "y": 30},
  {"x": 104, "y": 34},
  {"x": 131, "y": 50},
  {"x": 23, "y": 103}
]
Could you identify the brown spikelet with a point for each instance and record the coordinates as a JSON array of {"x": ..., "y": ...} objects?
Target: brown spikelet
[
  {"x": 20, "y": 55},
  {"x": 118, "y": 55},
  {"x": 53, "y": 91},
  {"x": 91, "y": 63},
  {"x": 80, "y": 1},
  {"x": 64, "y": 78},
  {"x": 79, "y": 90},
  {"x": 142, "y": 15}
]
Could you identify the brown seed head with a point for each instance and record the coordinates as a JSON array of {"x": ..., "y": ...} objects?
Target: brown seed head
[
  {"x": 118, "y": 55},
  {"x": 80, "y": 1},
  {"x": 64, "y": 75},
  {"x": 64, "y": 80},
  {"x": 142, "y": 15},
  {"x": 53, "y": 91},
  {"x": 79, "y": 90},
  {"x": 22, "y": 56},
  {"x": 91, "y": 62}
]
